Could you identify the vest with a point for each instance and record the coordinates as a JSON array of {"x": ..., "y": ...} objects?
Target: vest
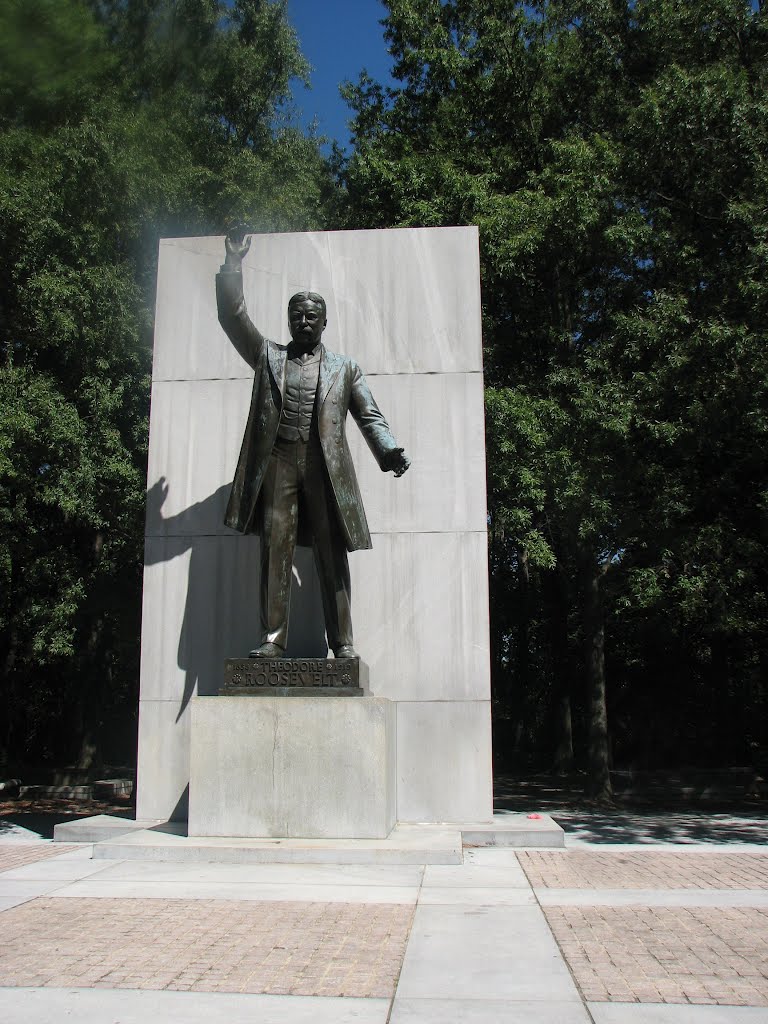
[{"x": 301, "y": 380}]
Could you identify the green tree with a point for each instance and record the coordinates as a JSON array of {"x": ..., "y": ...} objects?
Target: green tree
[
  {"x": 614, "y": 157},
  {"x": 121, "y": 121}
]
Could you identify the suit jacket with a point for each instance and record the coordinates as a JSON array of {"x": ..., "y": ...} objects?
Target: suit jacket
[{"x": 341, "y": 389}]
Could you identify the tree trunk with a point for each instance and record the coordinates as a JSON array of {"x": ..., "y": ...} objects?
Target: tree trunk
[
  {"x": 523, "y": 654},
  {"x": 562, "y": 761},
  {"x": 500, "y": 676},
  {"x": 95, "y": 679},
  {"x": 89, "y": 757},
  {"x": 6, "y": 741},
  {"x": 599, "y": 785},
  {"x": 726, "y": 710}
]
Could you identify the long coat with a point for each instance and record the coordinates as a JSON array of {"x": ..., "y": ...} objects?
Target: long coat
[{"x": 341, "y": 388}]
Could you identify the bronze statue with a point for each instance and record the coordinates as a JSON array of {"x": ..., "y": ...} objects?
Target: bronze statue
[{"x": 295, "y": 470}]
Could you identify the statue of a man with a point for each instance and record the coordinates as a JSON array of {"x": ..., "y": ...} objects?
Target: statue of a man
[{"x": 294, "y": 463}]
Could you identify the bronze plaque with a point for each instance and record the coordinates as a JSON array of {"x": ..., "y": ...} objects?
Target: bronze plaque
[{"x": 294, "y": 676}]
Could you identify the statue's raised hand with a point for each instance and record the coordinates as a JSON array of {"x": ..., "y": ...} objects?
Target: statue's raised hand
[{"x": 237, "y": 246}]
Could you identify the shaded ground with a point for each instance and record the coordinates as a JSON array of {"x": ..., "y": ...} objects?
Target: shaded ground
[
  {"x": 738, "y": 790},
  {"x": 39, "y": 815},
  {"x": 644, "y": 826},
  {"x": 719, "y": 808},
  {"x": 716, "y": 808}
]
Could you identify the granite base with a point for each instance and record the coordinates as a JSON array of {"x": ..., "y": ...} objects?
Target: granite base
[{"x": 293, "y": 767}]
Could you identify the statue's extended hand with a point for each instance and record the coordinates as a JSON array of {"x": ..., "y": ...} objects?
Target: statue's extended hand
[
  {"x": 396, "y": 461},
  {"x": 237, "y": 246}
]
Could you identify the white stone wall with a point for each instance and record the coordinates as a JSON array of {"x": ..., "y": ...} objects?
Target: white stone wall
[{"x": 406, "y": 305}]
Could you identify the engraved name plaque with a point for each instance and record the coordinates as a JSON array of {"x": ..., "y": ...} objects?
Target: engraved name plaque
[{"x": 294, "y": 677}]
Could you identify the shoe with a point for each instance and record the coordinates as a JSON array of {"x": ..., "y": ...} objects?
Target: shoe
[
  {"x": 346, "y": 651},
  {"x": 268, "y": 650}
]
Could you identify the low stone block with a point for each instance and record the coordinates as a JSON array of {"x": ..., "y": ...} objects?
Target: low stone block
[
  {"x": 299, "y": 767},
  {"x": 80, "y": 793},
  {"x": 98, "y": 828},
  {"x": 113, "y": 789}
]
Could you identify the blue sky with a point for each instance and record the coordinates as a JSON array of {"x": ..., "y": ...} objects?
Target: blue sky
[{"x": 339, "y": 38}]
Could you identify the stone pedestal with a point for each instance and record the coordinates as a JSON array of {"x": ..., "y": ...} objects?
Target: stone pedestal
[{"x": 315, "y": 767}]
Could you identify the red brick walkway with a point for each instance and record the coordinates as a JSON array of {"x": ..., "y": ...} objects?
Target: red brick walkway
[
  {"x": 692, "y": 954},
  {"x": 666, "y": 955},
  {"x": 16, "y": 855},
  {"x": 593, "y": 869},
  {"x": 323, "y": 949}
]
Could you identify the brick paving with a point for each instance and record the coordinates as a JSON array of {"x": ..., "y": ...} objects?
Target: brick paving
[
  {"x": 309, "y": 949},
  {"x": 697, "y": 955},
  {"x": 692, "y": 954},
  {"x": 16, "y": 855},
  {"x": 665, "y": 955},
  {"x": 594, "y": 869}
]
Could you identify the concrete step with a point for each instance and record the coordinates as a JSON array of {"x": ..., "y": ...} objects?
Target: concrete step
[
  {"x": 97, "y": 828},
  {"x": 514, "y": 829},
  {"x": 406, "y": 844},
  {"x": 122, "y": 839}
]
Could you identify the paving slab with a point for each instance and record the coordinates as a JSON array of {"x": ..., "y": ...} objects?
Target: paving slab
[
  {"x": 475, "y": 896},
  {"x": 62, "y": 869},
  {"x": 652, "y": 897},
  {"x": 664, "y": 1013},
  {"x": 128, "y": 1006},
  {"x": 287, "y": 874},
  {"x": 504, "y": 876},
  {"x": 14, "y": 892},
  {"x": 486, "y": 1011},
  {"x": 330, "y": 883},
  {"x": 109, "y": 888},
  {"x": 490, "y": 857},
  {"x": 482, "y": 952}
]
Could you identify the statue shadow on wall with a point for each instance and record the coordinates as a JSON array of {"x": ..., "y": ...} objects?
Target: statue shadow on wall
[{"x": 220, "y": 617}]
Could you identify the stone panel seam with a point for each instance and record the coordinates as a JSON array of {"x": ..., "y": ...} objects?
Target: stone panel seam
[
  {"x": 392, "y": 533},
  {"x": 369, "y": 375}
]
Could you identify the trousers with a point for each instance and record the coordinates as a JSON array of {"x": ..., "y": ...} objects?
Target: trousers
[{"x": 296, "y": 485}]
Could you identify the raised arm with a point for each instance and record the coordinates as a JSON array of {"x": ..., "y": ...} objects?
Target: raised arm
[{"x": 233, "y": 316}]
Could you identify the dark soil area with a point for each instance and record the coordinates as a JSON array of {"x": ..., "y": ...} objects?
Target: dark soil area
[
  {"x": 733, "y": 790},
  {"x": 41, "y": 814}
]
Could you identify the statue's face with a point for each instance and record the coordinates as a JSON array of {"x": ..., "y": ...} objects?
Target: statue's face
[{"x": 306, "y": 322}]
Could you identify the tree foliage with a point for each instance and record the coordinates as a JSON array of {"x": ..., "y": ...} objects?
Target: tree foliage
[
  {"x": 121, "y": 121},
  {"x": 615, "y": 157}
]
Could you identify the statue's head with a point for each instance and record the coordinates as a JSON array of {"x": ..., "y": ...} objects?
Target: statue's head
[{"x": 306, "y": 317}]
